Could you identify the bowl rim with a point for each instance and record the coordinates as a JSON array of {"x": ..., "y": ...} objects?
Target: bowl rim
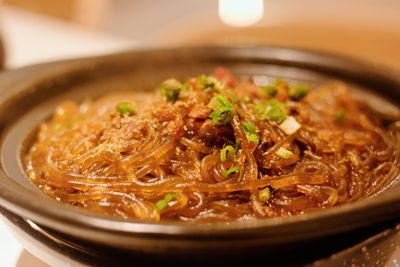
[{"x": 65, "y": 218}]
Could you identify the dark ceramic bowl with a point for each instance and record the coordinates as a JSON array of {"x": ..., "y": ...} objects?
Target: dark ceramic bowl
[{"x": 29, "y": 95}]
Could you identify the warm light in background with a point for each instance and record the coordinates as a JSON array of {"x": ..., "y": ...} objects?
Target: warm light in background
[{"x": 240, "y": 13}]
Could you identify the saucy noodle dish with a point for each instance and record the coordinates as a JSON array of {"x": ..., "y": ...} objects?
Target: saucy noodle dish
[{"x": 215, "y": 148}]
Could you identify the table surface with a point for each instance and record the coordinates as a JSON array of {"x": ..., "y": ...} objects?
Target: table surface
[{"x": 30, "y": 39}]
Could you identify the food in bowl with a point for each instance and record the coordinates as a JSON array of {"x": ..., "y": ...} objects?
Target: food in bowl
[{"x": 215, "y": 148}]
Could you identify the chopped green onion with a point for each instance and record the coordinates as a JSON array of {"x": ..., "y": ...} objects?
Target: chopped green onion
[
  {"x": 251, "y": 131},
  {"x": 269, "y": 90},
  {"x": 163, "y": 203},
  {"x": 238, "y": 142},
  {"x": 222, "y": 115},
  {"x": 70, "y": 123},
  {"x": 185, "y": 86},
  {"x": 57, "y": 126},
  {"x": 249, "y": 127},
  {"x": 246, "y": 99},
  {"x": 209, "y": 83},
  {"x": 284, "y": 153},
  {"x": 170, "y": 89},
  {"x": 290, "y": 125},
  {"x": 222, "y": 110},
  {"x": 125, "y": 108},
  {"x": 219, "y": 101},
  {"x": 272, "y": 109},
  {"x": 264, "y": 194},
  {"x": 254, "y": 138},
  {"x": 280, "y": 82},
  {"x": 339, "y": 115},
  {"x": 231, "y": 153},
  {"x": 233, "y": 170},
  {"x": 298, "y": 91}
]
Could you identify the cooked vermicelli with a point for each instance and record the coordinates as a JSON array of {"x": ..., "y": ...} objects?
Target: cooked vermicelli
[{"x": 215, "y": 149}]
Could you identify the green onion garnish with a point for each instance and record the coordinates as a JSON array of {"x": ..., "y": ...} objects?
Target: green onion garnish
[
  {"x": 272, "y": 109},
  {"x": 254, "y": 138},
  {"x": 264, "y": 194},
  {"x": 269, "y": 90},
  {"x": 219, "y": 101},
  {"x": 185, "y": 86},
  {"x": 222, "y": 115},
  {"x": 280, "y": 82},
  {"x": 209, "y": 83},
  {"x": 222, "y": 110},
  {"x": 339, "y": 115},
  {"x": 238, "y": 142},
  {"x": 298, "y": 91},
  {"x": 251, "y": 131},
  {"x": 163, "y": 203},
  {"x": 249, "y": 127},
  {"x": 170, "y": 89},
  {"x": 284, "y": 153},
  {"x": 246, "y": 99},
  {"x": 230, "y": 150},
  {"x": 233, "y": 170},
  {"x": 125, "y": 108},
  {"x": 69, "y": 124},
  {"x": 57, "y": 126}
]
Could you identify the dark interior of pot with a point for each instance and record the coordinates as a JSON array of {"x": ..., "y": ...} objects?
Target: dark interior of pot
[{"x": 25, "y": 102}]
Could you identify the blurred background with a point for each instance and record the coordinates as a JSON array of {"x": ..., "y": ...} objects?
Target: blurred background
[{"x": 41, "y": 30}]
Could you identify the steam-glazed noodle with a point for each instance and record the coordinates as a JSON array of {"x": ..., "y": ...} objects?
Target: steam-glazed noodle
[{"x": 213, "y": 149}]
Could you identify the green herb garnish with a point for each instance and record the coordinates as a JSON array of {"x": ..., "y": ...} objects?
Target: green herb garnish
[
  {"x": 219, "y": 101},
  {"x": 230, "y": 150},
  {"x": 249, "y": 127},
  {"x": 272, "y": 109},
  {"x": 57, "y": 126},
  {"x": 163, "y": 203},
  {"x": 125, "y": 108},
  {"x": 264, "y": 194},
  {"x": 185, "y": 86},
  {"x": 251, "y": 131},
  {"x": 339, "y": 115},
  {"x": 233, "y": 170},
  {"x": 209, "y": 83},
  {"x": 69, "y": 124},
  {"x": 170, "y": 89},
  {"x": 246, "y": 99},
  {"x": 269, "y": 90},
  {"x": 297, "y": 92},
  {"x": 222, "y": 115},
  {"x": 222, "y": 110},
  {"x": 238, "y": 142},
  {"x": 279, "y": 82},
  {"x": 254, "y": 138}
]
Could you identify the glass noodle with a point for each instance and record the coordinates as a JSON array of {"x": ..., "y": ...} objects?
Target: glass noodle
[{"x": 213, "y": 149}]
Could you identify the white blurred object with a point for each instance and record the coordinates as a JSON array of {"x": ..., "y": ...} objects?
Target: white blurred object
[
  {"x": 31, "y": 38},
  {"x": 240, "y": 13},
  {"x": 10, "y": 249}
]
